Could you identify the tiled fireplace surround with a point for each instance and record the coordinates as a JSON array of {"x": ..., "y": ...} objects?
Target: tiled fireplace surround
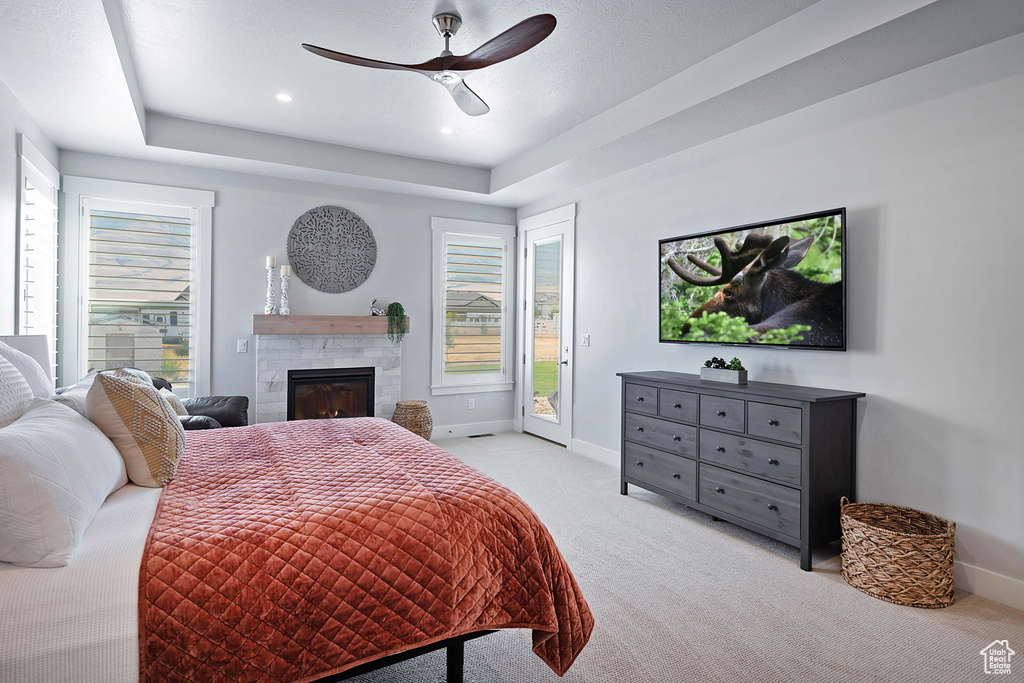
[{"x": 276, "y": 354}]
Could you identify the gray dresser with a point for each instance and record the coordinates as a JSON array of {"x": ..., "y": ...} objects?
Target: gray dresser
[{"x": 774, "y": 458}]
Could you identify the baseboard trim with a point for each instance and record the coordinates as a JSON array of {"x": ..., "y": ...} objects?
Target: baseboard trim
[
  {"x": 1005, "y": 590},
  {"x": 472, "y": 429},
  {"x": 598, "y": 453}
]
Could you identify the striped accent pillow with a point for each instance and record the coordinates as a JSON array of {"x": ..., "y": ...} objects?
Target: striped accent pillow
[
  {"x": 176, "y": 403},
  {"x": 141, "y": 424}
]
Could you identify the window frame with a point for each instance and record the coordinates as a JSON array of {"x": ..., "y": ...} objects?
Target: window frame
[
  {"x": 80, "y": 192},
  {"x": 443, "y": 230}
]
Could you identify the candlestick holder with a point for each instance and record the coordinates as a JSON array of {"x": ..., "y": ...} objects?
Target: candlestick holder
[
  {"x": 285, "y": 309},
  {"x": 270, "y": 308}
]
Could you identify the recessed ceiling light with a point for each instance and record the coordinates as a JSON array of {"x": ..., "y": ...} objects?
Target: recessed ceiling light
[
  {"x": 447, "y": 131},
  {"x": 284, "y": 97}
]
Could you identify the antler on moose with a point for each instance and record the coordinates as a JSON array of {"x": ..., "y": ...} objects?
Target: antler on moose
[{"x": 733, "y": 262}]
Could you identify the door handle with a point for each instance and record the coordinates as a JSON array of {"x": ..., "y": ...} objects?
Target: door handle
[{"x": 565, "y": 362}]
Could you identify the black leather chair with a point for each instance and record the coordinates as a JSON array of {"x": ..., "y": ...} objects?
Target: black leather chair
[{"x": 206, "y": 412}]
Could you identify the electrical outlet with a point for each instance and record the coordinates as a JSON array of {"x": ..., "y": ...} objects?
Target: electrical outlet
[
  {"x": 243, "y": 346},
  {"x": 584, "y": 340},
  {"x": 470, "y": 404}
]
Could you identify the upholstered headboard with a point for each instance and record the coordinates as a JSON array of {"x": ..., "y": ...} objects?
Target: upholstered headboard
[{"x": 35, "y": 345}]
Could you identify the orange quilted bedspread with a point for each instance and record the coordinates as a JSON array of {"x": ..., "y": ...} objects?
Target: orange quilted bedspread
[{"x": 290, "y": 551}]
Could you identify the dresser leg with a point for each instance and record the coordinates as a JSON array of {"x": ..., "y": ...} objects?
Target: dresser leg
[
  {"x": 624, "y": 488},
  {"x": 715, "y": 519},
  {"x": 805, "y": 558}
]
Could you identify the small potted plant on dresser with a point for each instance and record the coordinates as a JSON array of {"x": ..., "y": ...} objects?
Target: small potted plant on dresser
[{"x": 717, "y": 370}]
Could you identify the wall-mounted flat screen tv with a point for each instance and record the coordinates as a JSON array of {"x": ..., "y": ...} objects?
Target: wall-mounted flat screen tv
[{"x": 780, "y": 283}]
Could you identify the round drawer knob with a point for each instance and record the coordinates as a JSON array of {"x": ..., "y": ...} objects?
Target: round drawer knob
[
  {"x": 721, "y": 413},
  {"x": 639, "y": 429},
  {"x": 640, "y": 398},
  {"x": 773, "y": 461},
  {"x": 677, "y": 438},
  {"x": 720, "y": 449},
  {"x": 719, "y": 489},
  {"x": 639, "y": 463},
  {"x": 773, "y": 423},
  {"x": 675, "y": 476},
  {"x": 678, "y": 406},
  {"x": 773, "y": 507}
]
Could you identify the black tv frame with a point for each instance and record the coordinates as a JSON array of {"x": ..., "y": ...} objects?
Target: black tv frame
[{"x": 766, "y": 224}]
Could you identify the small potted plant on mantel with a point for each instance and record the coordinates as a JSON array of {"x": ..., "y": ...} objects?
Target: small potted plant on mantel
[{"x": 717, "y": 370}]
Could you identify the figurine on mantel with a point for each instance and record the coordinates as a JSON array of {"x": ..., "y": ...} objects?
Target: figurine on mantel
[{"x": 375, "y": 310}]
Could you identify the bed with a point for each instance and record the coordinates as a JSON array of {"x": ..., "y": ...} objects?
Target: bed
[{"x": 292, "y": 552}]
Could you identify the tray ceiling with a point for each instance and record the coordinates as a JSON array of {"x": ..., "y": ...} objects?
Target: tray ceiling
[{"x": 616, "y": 85}]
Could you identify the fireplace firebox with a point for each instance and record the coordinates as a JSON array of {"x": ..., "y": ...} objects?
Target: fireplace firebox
[{"x": 330, "y": 393}]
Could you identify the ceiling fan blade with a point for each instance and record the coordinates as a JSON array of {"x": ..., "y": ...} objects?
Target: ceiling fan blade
[
  {"x": 517, "y": 40},
  {"x": 468, "y": 101},
  {"x": 359, "y": 61}
]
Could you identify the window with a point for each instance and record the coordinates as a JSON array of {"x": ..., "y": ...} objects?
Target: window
[
  {"x": 143, "y": 276},
  {"x": 36, "y": 273},
  {"x": 472, "y": 307}
]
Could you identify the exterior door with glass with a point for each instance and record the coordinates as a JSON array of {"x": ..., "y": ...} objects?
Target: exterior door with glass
[{"x": 546, "y": 324}]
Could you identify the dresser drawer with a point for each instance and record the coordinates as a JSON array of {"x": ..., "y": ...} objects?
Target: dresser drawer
[
  {"x": 769, "y": 505},
  {"x": 677, "y": 405},
  {"x": 750, "y": 455},
  {"x": 723, "y": 413},
  {"x": 774, "y": 422},
  {"x": 669, "y": 472},
  {"x": 668, "y": 436},
  {"x": 641, "y": 399}
]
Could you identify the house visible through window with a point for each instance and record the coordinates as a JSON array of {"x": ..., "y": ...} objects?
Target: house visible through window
[
  {"x": 472, "y": 309},
  {"x": 143, "y": 277}
]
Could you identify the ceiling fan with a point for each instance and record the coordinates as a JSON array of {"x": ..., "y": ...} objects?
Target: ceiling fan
[{"x": 516, "y": 40}]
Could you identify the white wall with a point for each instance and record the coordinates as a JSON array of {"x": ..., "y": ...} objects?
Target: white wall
[
  {"x": 13, "y": 120},
  {"x": 251, "y": 220},
  {"x": 931, "y": 168}
]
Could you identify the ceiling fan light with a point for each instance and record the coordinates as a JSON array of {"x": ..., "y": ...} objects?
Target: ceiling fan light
[{"x": 447, "y": 77}]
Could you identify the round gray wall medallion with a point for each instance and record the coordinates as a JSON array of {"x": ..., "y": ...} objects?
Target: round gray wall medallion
[{"x": 331, "y": 249}]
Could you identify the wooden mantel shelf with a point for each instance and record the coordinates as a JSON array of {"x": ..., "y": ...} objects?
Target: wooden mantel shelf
[{"x": 321, "y": 324}]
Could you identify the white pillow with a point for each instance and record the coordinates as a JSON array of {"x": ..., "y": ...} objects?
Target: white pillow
[
  {"x": 74, "y": 396},
  {"x": 15, "y": 393},
  {"x": 56, "y": 469},
  {"x": 29, "y": 369}
]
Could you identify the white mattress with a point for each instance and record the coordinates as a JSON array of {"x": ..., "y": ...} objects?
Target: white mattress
[{"x": 81, "y": 622}]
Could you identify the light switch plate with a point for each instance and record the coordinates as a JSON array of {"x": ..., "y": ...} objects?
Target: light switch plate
[{"x": 243, "y": 346}]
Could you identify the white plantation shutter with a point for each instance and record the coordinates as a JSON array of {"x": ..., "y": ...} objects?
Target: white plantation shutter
[
  {"x": 139, "y": 305},
  {"x": 37, "y": 246},
  {"x": 137, "y": 280},
  {"x": 474, "y": 272},
  {"x": 473, "y": 306}
]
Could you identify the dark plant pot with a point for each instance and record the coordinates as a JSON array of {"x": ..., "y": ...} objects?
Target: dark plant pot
[{"x": 720, "y": 375}]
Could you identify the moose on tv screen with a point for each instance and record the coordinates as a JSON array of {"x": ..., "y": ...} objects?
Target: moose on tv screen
[{"x": 777, "y": 283}]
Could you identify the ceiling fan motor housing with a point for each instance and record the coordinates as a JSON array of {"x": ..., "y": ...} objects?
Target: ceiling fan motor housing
[{"x": 447, "y": 24}]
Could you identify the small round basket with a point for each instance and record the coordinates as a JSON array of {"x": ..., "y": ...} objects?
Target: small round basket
[
  {"x": 898, "y": 554},
  {"x": 414, "y": 416}
]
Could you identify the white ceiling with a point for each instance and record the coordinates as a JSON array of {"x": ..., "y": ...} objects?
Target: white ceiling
[{"x": 617, "y": 84}]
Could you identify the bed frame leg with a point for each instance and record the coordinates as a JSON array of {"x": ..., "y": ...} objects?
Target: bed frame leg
[{"x": 456, "y": 656}]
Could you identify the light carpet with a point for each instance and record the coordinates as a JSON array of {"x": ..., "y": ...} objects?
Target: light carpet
[{"x": 679, "y": 597}]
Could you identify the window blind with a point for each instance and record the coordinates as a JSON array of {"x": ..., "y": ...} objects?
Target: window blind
[
  {"x": 474, "y": 272},
  {"x": 37, "y": 253},
  {"x": 139, "y": 283}
]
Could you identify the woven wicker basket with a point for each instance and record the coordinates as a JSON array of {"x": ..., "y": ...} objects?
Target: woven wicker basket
[
  {"x": 414, "y": 416},
  {"x": 898, "y": 554}
]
